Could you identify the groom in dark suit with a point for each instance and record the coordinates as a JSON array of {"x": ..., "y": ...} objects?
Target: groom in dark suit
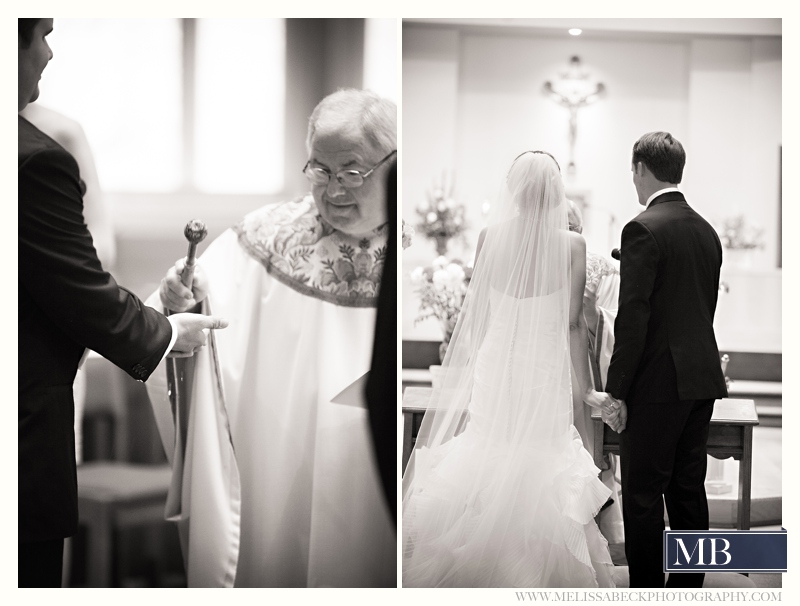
[
  {"x": 67, "y": 303},
  {"x": 665, "y": 369}
]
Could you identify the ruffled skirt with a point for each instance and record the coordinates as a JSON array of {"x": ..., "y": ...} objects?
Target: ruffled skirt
[{"x": 488, "y": 515}]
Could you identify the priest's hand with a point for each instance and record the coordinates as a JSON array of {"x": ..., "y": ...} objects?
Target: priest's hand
[
  {"x": 175, "y": 296},
  {"x": 191, "y": 330}
]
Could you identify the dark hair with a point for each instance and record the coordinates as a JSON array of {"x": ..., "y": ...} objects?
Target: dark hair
[
  {"x": 662, "y": 154},
  {"x": 537, "y": 152},
  {"x": 26, "y": 27}
]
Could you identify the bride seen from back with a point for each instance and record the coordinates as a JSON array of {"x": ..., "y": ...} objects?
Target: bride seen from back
[{"x": 500, "y": 491}]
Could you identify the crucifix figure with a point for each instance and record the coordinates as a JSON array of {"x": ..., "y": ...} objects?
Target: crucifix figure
[{"x": 574, "y": 90}]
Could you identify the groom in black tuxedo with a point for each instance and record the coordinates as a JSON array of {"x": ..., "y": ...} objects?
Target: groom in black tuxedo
[
  {"x": 67, "y": 303},
  {"x": 665, "y": 368}
]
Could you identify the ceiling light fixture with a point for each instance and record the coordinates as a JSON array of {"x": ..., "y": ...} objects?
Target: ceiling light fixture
[{"x": 575, "y": 31}]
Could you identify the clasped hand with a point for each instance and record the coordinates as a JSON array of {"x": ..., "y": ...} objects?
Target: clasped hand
[
  {"x": 191, "y": 327},
  {"x": 613, "y": 412},
  {"x": 175, "y": 296}
]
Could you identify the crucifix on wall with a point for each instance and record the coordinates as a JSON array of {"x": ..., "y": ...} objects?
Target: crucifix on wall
[{"x": 574, "y": 89}]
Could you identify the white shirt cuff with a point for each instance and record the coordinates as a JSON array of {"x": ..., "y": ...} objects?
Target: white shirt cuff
[{"x": 172, "y": 339}]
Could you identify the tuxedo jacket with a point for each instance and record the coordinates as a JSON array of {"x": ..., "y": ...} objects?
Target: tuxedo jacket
[
  {"x": 665, "y": 349},
  {"x": 66, "y": 303}
]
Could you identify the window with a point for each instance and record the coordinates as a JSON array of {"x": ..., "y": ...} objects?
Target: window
[
  {"x": 239, "y": 93},
  {"x": 121, "y": 80},
  {"x": 172, "y": 105}
]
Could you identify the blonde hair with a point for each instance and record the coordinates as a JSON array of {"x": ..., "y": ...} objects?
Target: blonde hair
[{"x": 574, "y": 215}]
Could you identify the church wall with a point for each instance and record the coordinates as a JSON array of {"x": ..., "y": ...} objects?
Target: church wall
[
  {"x": 720, "y": 96},
  {"x": 767, "y": 136},
  {"x": 504, "y": 111},
  {"x": 430, "y": 98},
  {"x": 735, "y": 124},
  {"x": 734, "y": 109}
]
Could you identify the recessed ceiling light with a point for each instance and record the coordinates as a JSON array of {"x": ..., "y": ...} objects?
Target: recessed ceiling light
[{"x": 575, "y": 31}]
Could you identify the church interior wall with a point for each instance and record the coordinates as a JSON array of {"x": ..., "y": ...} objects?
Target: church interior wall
[
  {"x": 719, "y": 95},
  {"x": 430, "y": 96}
]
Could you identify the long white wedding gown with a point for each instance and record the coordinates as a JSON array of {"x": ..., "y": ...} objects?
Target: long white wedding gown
[
  {"x": 484, "y": 513},
  {"x": 500, "y": 491}
]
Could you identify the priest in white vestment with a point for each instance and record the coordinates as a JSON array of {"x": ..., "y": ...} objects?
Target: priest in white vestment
[{"x": 275, "y": 483}]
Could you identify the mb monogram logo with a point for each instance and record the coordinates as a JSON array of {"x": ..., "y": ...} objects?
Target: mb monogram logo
[
  {"x": 700, "y": 550},
  {"x": 728, "y": 551}
]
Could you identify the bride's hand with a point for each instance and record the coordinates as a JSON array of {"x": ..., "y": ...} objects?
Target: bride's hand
[{"x": 601, "y": 401}]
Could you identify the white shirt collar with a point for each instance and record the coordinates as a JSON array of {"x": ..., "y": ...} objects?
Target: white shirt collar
[{"x": 658, "y": 193}]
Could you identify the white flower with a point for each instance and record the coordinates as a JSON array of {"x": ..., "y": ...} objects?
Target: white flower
[
  {"x": 438, "y": 194},
  {"x": 417, "y": 276},
  {"x": 450, "y": 203},
  {"x": 455, "y": 275},
  {"x": 440, "y": 262},
  {"x": 423, "y": 207},
  {"x": 431, "y": 217},
  {"x": 440, "y": 279},
  {"x": 441, "y": 207}
]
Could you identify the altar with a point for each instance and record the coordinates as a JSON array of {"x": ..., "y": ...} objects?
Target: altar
[
  {"x": 730, "y": 434},
  {"x": 734, "y": 432}
]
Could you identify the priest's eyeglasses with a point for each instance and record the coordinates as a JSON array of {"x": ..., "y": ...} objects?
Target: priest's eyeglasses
[{"x": 347, "y": 178}]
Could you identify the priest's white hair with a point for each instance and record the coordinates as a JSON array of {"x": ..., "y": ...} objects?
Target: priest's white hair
[{"x": 350, "y": 108}]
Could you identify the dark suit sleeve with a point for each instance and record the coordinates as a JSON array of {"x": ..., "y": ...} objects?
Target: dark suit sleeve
[
  {"x": 638, "y": 269},
  {"x": 59, "y": 268}
]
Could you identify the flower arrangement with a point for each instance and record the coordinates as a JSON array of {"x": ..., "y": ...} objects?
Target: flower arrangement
[
  {"x": 441, "y": 217},
  {"x": 736, "y": 234},
  {"x": 441, "y": 287}
]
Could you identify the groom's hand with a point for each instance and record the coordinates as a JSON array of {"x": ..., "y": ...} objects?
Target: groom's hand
[
  {"x": 192, "y": 329},
  {"x": 614, "y": 414},
  {"x": 612, "y": 420},
  {"x": 175, "y": 296},
  {"x": 607, "y": 404},
  {"x": 623, "y": 415},
  {"x": 618, "y": 419}
]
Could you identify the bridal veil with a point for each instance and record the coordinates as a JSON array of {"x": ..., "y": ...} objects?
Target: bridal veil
[{"x": 499, "y": 491}]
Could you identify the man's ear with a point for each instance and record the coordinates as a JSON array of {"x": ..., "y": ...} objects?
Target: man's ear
[{"x": 640, "y": 169}]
